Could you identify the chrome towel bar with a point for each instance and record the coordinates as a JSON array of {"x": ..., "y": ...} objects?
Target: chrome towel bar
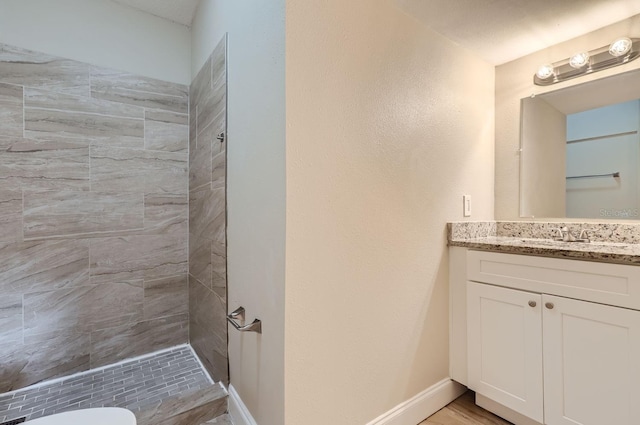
[
  {"x": 614, "y": 175},
  {"x": 239, "y": 314}
]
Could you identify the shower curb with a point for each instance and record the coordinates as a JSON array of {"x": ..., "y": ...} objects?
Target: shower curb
[{"x": 193, "y": 407}]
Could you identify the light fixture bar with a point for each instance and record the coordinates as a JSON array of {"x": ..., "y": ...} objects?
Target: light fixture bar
[{"x": 595, "y": 60}]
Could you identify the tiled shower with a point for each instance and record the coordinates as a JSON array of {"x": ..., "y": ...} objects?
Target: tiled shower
[{"x": 112, "y": 217}]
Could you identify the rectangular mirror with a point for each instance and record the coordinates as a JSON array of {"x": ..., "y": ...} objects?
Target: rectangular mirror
[{"x": 580, "y": 151}]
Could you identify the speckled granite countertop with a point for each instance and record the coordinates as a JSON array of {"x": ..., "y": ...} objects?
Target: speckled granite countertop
[{"x": 486, "y": 236}]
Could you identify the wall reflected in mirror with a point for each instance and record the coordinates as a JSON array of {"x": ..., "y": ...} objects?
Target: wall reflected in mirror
[
  {"x": 602, "y": 162},
  {"x": 580, "y": 151}
]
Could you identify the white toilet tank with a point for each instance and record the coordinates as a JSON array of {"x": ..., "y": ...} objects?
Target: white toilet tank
[{"x": 98, "y": 416}]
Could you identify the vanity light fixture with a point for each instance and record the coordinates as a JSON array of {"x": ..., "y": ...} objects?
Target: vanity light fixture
[
  {"x": 545, "y": 71},
  {"x": 620, "y": 47},
  {"x": 620, "y": 51},
  {"x": 579, "y": 60}
]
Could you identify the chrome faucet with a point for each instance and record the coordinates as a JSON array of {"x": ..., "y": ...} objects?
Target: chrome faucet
[
  {"x": 560, "y": 234},
  {"x": 584, "y": 236},
  {"x": 565, "y": 235}
]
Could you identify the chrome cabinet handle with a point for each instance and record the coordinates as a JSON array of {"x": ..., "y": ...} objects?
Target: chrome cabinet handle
[
  {"x": 532, "y": 303},
  {"x": 239, "y": 313},
  {"x": 549, "y": 306}
]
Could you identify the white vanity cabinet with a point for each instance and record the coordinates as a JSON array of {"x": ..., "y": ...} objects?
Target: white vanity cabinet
[
  {"x": 505, "y": 347},
  {"x": 548, "y": 341},
  {"x": 591, "y": 363}
]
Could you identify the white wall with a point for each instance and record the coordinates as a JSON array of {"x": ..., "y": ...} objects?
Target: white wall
[
  {"x": 256, "y": 189},
  {"x": 99, "y": 32},
  {"x": 514, "y": 81},
  {"x": 388, "y": 125}
]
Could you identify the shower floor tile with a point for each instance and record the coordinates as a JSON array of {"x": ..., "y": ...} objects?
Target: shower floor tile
[{"x": 133, "y": 385}]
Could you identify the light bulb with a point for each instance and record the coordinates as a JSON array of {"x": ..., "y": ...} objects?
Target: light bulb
[
  {"x": 579, "y": 60},
  {"x": 620, "y": 47},
  {"x": 545, "y": 71}
]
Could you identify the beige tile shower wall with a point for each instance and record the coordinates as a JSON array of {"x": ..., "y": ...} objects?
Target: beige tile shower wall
[
  {"x": 207, "y": 215},
  {"x": 93, "y": 216}
]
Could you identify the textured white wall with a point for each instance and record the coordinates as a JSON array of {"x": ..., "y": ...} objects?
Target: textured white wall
[
  {"x": 99, "y": 32},
  {"x": 388, "y": 125},
  {"x": 256, "y": 189},
  {"x": 514, "y": 81}
]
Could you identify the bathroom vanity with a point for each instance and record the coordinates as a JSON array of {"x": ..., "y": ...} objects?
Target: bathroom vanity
[{"x": 547, "y": 332}]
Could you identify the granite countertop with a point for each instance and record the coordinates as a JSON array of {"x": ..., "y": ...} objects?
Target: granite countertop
[{"x": 610, "y": 252}]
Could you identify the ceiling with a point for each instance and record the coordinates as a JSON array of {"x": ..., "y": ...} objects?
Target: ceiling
[
  {"x": 180, "y": 11},
  {"x": 496, "y": 30},
  {"x": 503, "y": 30}
]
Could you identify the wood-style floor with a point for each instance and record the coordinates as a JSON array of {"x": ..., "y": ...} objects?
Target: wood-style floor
[{"x": 463, "y": 411}]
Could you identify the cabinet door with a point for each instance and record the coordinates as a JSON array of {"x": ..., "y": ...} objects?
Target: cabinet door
[
  {"x": 591, "y": 363},
  {"x": 504, "y": 338}
]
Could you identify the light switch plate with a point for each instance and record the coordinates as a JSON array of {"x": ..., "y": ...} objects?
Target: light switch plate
[{"x": 466, "y": 202}]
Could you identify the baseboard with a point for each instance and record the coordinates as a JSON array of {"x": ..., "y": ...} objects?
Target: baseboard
[
  {"x": 237, "y": 409},
  {"x": 421, "y": 406},
  {"x": 410, "y": 412}
]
